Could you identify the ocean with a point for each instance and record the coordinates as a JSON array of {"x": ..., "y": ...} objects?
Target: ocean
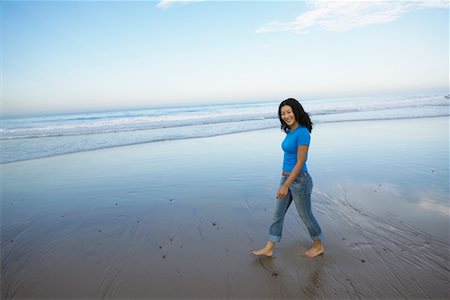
[{"x": 32, "y": 137}]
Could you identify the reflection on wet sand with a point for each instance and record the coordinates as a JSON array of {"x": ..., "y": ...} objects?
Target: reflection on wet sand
[{"x": 126, "y": 223}]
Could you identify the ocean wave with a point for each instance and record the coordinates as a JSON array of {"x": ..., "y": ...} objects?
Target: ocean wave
[
  {"x": 55, "y": 126},
  {"x": 22, "y": 139}
]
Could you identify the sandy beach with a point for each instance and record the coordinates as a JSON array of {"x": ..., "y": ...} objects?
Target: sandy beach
[{"x": 177, "y": 219}]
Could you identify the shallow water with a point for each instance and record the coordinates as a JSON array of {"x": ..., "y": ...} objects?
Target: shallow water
[{"x": 394, "y": 166}]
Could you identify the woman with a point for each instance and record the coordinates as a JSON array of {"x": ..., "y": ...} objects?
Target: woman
[{"x": 296, "y": 184}]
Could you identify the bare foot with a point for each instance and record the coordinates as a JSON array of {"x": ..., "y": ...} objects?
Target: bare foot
[
  {"x": 316, "y": 249},
  {"x": 267, "y": 250},
  {"x": 313, "y": 252},
  {"x": 263, "y": 251}
]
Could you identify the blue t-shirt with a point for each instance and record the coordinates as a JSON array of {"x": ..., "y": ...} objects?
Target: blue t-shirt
[{"x": 299, "y": 136}]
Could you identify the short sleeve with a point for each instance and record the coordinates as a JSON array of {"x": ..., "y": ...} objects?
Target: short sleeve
[{"x": 304, "y": 137}]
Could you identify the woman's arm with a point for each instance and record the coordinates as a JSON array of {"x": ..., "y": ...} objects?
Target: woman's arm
[{"x": 302, "y": 150}]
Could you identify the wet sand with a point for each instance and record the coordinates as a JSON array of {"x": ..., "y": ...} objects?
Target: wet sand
[{"x": 178, "y": 219}]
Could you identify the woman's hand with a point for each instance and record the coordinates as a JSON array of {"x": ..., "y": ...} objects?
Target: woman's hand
[{"x": 282, "y": 192}]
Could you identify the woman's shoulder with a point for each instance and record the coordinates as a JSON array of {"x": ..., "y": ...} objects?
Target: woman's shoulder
[{"x": 302, "y": 130}]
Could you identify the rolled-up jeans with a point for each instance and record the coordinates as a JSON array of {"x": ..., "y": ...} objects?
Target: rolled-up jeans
[{"x": 300, "y": 193}]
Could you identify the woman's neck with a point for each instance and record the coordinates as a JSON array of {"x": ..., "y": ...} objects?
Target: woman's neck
[{"x": 293, "y": 127}]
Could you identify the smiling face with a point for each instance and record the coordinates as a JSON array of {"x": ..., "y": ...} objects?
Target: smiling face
[{"x": 288, "y": 117}]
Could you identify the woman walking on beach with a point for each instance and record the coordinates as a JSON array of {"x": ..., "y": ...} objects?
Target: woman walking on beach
[{"x": 296, "y": 184}]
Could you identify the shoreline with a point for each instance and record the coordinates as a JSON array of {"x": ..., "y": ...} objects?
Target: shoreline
[{"x": 216, "y": 135}]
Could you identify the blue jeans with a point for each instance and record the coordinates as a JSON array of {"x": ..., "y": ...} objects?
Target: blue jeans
[{"x": 300, "y": 193}]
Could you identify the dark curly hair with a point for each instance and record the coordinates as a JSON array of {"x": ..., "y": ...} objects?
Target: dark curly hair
[{"x": 301, "y": 116}]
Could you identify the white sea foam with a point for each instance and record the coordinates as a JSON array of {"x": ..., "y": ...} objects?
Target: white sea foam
[{"x": 32, "y": 137}]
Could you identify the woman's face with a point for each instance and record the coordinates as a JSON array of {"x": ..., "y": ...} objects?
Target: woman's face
[{"x": 287, "y": 115}]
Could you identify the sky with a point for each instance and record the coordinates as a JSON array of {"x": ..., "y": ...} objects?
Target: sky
[{"x": 68, "y": 56}]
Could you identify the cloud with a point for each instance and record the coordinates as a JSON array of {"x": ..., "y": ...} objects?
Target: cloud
[
  {"x": 346, "y": 15},
  {"x": 165, "y": 4}
]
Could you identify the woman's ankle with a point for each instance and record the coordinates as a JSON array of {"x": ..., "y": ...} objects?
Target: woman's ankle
[
  {"x": 270, "y": 245},
  {"x": 317, "y": 244}
]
